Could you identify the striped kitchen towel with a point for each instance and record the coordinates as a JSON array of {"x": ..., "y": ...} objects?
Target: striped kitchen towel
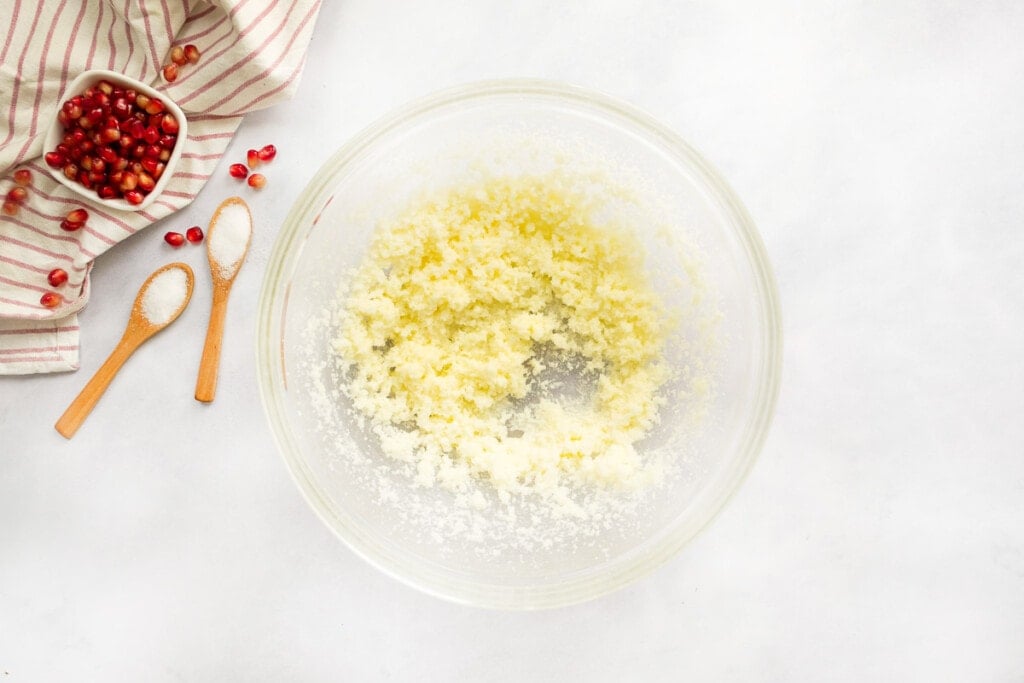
[{"x": 252, "y": 54}]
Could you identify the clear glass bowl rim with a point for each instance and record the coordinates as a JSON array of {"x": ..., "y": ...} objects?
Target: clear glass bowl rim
[{"x": 269, "y": 352}]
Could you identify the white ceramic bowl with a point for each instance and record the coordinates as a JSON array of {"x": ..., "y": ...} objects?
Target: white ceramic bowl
[
  {"x": 706, "y": 260},
  {"x": 55, "y": 134}
]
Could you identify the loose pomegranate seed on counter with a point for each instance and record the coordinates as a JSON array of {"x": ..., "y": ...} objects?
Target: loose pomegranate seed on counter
[
  {"x": 57, "y": 277},
  {"x": 78, "y": 215},
  {"x": 192, "y": 53},
  {"x": 17, "y": 194},
  {"x": 267, "y": 153},
  {"x": 10, "y": 208},
  {"x": 252, "y": 157},
  {"x": 170, "y": 73},
  {"x": 50, "y": 300},
  {"x": 238, "y": 171},
  {"x": 70, "y": 226},
  {"x": 256, "y": 180},
  {"x": 175, "y": 239},
  {"x": 23, "y": 177},
  {"x": 178, "y": 55},
  {"x": 194, "y": 234}
]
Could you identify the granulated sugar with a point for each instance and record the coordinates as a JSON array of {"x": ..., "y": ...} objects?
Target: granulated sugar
[
  {"x": 498, "y": 374},
  {"x": 165, "y": 295},
  {"x": 230, "y": 237}
]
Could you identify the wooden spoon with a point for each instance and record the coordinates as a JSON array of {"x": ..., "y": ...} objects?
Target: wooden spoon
[
  {"x": 227, "y": 243},
  {"x": 149, "y": 315}
]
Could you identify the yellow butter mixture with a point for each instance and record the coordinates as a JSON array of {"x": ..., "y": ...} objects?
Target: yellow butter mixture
[{"x": 497, "y": 331}]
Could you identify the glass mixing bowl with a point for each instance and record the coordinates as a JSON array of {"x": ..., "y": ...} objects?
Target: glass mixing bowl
[{"x": 703, "y": 256}]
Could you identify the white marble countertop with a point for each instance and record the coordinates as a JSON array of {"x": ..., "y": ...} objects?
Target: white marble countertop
[{"x": 880, "y": 149}]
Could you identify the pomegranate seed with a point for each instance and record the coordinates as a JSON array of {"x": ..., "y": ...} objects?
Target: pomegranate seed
[
  {"x": 78, "y": 215},
  {"x": 256, "y": 180},
  {"x": 23, "y": 177},
  {"x": 167, "y": 141},
  {"x": 171, "y": 73},
  {"x": 120, "y": 164},
  {"x": 192, "y": 53},
  {"x": 105, "y": 87},
  {"x": 238, "y": 171},
  {"x": 84, "y": 179},
  {"x": 50, "y": 299},
  {"x": 107, "y": 192},
  {"x": 129, "y": 181},
  {"x": 133, "y": 197},
  {"x": 155, "y": 106},
  {"x": 130, "y": 95},
  {"x": 159, "y": 170},
  {"x": 175, "y": 239},
  {"x": 70, "y": 171},
  {"x": 72, "y": 109},
  {"x": 267, "y": 153},
  {"x": 149, "y": 164},
  {"x": 152, "y": 151},
  {"x": 57, "y": 277},
  {"x": 70, "y": 226},
  {"x": 17, "y": 194},
  {"x": 139, "y": 131},
  {"x": 142, "y": 101},
  {"x": 178, "y": 55},
  {"x": 252, "y": 157},
  {"x": 10, "y": 208},
  {"x": 54, "y": 159},
  {"x": 107, "y": 154},
  {"x": 63, "y": 119},
  {"x": 96, "y": 177},
  {"x": 138, "y": 151},
  {"x": 146, "y": 182},
  {"x": 150, "y": 135},
  {"x": 165, "y": 155},
  {"x": 194, "y": 234},
  {"x": 169, "y": 124},
  {"x": 121, "y": 108},
  {"x": 110, "y": 135}
]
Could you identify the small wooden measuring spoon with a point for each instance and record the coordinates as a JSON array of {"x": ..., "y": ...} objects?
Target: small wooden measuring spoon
[
  {"x": 227, "y": 243},
  {"x": 154, "y": 309}
]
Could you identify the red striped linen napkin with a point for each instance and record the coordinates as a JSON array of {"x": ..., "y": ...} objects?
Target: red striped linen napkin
[{"x": 253, "y": 52}]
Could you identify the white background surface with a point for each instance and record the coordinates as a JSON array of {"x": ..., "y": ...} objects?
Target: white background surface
[{"x": 880, "y": 149}]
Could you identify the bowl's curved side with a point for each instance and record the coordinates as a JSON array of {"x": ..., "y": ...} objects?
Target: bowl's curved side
[{"x": 434, "y": 580}]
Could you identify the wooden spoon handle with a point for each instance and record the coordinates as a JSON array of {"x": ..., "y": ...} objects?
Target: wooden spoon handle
[
  {"x": 90, "y": 394},
  {"x": 206, "y": 383}
]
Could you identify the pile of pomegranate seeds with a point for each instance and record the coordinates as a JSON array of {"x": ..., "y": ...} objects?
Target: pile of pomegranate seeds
[
  {"x": 180, "y": 56},
  {"x": 116, "y": 141},
  {"x": 176, "y": 239},
  {"x": 253, "y": 158}
]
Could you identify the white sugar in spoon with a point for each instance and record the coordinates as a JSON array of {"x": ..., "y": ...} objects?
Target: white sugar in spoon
[
  {"x": 161, "y": 299},
  {"x": 227, "y": 243}
]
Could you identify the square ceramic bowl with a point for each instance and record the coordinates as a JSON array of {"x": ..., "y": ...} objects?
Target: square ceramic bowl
[{"x": 55, "y": 134}]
